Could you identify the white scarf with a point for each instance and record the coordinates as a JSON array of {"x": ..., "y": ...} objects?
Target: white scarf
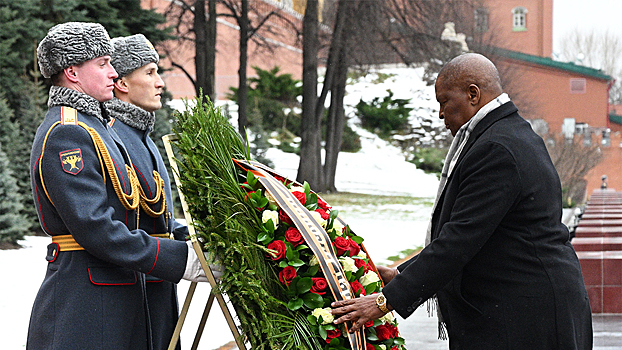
[
  {"x": 457, "y": 145},
  {"x": 462, "y": 136}
]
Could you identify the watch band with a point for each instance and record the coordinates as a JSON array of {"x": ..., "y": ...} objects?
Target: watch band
[{"x": 381, "y": 302}]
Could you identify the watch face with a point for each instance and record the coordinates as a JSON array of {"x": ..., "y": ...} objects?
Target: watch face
[{"x": 380, "y": 299}]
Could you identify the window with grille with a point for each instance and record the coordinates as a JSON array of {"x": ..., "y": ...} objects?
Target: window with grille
[{"x": 519, "y": 19}]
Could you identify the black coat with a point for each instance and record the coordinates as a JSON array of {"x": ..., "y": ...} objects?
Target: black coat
[
  {"x": 92, "y": 298},
  {"x": 161, "y": 294},
  {"x": 500, "y": 260}
]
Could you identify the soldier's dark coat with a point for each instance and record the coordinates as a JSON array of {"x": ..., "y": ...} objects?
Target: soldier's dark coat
[
  {"x": 133, "y": 126},
  {"x": 94, "y": 298},
  {"x": 500, "y": 260}
]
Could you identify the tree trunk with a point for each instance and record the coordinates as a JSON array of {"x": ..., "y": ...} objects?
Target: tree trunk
[
  {"x": 210, "y": 62},
  {"x": 335, "y": 46},
  {"x": 242, "y": 84},
  {"x": 310, "y": 166},
  {"x": 336, "y": 121},
  {"x": 200, "y": 58}
]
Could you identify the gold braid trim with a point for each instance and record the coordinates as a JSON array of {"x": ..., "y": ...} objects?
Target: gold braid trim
[
  {"x": 131, "y": 201},
  {"x": 160, "y": 196}
]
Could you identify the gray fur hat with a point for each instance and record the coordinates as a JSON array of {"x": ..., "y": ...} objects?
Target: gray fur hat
[
  {"x": 132, "y": 52},
  {"x": 72, "y": 43}
]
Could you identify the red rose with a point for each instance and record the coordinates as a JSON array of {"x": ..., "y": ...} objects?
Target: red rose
[
  {"x": 283, "y": 217},
  {"x": 341, "y": 244},
  {"x": 383, "y": 332},
  {"x": 358, "y": 287},
  {"x": 369, "y": 324},
  {"x": 330, "y": 334},
  {"x": 247, "y": 196},
  {"x": 323, "y": 213},
  {"x": 322, "y": 204},
  {"x": 319, "y": 285},
  {"x": 394, "y": 348},
  {"x": 293, "y": 236},
  {"x": 354, "y": 248},
  {"x": 394, "y": 332},
  {"x": 287, "y": 275},
  {"x": 301, "y": 197},
  {"x": 369, "y": 347},
  {"x": 280, "y": 248}
]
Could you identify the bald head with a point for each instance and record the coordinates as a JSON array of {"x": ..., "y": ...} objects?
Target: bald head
[{"x": 472, "y": 68}]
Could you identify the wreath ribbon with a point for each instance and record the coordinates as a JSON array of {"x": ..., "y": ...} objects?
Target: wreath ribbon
[{"x": 315, "y": 236}]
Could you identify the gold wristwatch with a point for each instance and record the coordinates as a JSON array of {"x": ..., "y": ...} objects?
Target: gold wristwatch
[{"x": 381, "y": 302}]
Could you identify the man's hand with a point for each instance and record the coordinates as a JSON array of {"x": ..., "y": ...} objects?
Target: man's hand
[
  {"x": 387, "y": 273},
  {"x": 358, "y": 311}
]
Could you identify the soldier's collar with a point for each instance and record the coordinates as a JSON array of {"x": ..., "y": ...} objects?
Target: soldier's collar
[
  {"x": 130, "y": 114},
  {"x": 62, "y": 96}
]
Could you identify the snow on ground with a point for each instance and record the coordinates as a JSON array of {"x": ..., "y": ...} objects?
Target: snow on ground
[{"x": 378, "y": 168}]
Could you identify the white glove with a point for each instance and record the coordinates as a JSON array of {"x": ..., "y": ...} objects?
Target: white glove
[
  {"x": 194, "y": 272},
  {"x": 217, "y": 270}
]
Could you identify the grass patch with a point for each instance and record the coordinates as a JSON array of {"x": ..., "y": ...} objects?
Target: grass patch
[
  {"x": 404, "y": 253},
  {"x": 350, "y": 199}
]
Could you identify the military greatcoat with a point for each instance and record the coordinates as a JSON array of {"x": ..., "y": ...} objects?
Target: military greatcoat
[
  {"x": 133, "y": 125},
  {"x": 93, "y": 298}
]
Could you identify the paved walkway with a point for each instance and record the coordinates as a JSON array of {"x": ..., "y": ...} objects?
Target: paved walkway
[{"x": 420, "y": 332}]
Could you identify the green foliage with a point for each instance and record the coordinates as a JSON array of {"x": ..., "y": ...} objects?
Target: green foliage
[
  {"x": 12, "y": 228},
  {"x": 384, "y": 116},
  {"x": 351, "y": 141},
  {"x": 21, "y": 28},
  {"x": 271, "y": 100},
  {"x": 228, "y": 225},
  {"x": 30, "y": 113},
  {"x": 430, "y": 159}
]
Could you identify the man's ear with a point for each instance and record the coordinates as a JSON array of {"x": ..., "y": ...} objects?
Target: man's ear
[
  {"x": 475, "y": 94},
  {"x": 121, "y": 85},
  {"x": 71, "y": 74}
]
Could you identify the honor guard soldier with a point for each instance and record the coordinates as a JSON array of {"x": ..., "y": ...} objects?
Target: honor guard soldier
[
  {"x": 137, "y": 91},
  {"x": 86, "y": 192}
]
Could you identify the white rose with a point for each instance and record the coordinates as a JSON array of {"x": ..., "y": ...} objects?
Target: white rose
[
  {"x": 388, "y": 317},
  {"x": 296, "y": 189},
  {"x": 369, "y": 278},
  {"x": 348, "y": 264},
  {"x": 382, "y": 347},
  {"x": 318, "y": 218},
  {"x": 313, "y": 261},
  {"x": 271, "y": 199},
  {"x": 270, "y": 214},
  {"x": 327, "y": 317},
  {"x": 338, "y": 227},
  {"x": 361, "y": 255}
]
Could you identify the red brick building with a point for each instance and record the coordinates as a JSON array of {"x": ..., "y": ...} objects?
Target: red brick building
[
  {"x": 566, "y": 96},
  {"x": 285, "y": 50}
]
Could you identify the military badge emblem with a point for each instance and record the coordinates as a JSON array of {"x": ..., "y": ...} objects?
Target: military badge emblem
[{"x": 71, "y": 160}]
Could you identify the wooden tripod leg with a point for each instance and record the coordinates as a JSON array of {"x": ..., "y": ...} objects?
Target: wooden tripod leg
[
  {"x": 182, "y": 316},
  {"x": 208, "y": 307}
]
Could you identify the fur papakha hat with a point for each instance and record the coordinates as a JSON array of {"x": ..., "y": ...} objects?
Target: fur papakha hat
[
  {"x": 72, "y": 43},
  {"x": 132, "y": 52}
]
